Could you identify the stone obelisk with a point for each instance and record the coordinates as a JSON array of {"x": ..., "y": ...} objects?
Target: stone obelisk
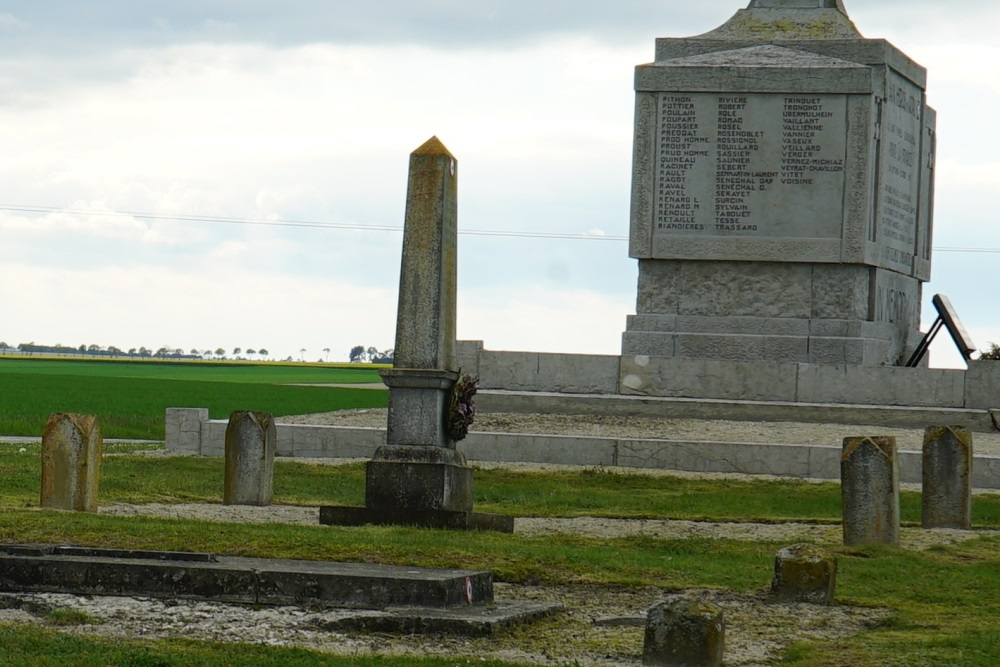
[{"x": 418, "y": 477}]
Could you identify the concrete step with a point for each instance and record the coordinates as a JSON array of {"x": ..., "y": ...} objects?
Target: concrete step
[{"x": 900, "y": 416}]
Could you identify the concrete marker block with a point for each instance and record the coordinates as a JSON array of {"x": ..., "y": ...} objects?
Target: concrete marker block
[
  {"x": 685, "y": 632},
  {"x": 947, "y": 477},
  {"x": 71, "y": 462},
  {"x": 869, "y": 481},
  {"x": 804, "y": 573},
  {"x": 251, "y": 441}
]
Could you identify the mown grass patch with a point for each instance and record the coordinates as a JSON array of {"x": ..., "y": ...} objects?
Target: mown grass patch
[
  {"x": 42, "y": 647},
  {"x": 144, "y": 479}
]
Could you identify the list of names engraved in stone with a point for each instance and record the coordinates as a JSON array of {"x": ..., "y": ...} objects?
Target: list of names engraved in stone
[
  {"x": 761, "y": 164},
  {"x": 899, "y": 178}
]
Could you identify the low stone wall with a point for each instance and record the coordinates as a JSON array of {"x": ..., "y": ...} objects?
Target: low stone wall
[
  {"x": 812, "y": 462},
  {"x": 673, "y": 377}
]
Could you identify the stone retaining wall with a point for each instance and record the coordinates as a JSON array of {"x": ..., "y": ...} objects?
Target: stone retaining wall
[
  {"x": 189, "y": 431},
  {"x": 975, "y": 388}
]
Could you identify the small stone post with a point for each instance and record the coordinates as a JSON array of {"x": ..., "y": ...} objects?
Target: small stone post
[
  {"x": 869, "y": 482},
  {"x": 251, "y": 440},
  {"x": 71, "y": 462},
  {"x": 683, "y": 632},
  {"x": 804, "y": 573},
  {"x": 947, "y": 477}
]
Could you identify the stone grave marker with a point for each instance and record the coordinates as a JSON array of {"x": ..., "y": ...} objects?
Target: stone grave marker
[
  {"x": 781, "y": 193},
  {"x": 419, "y": 477},
  {"x": 946, "y": 500},
  {"x": 869, "y": 482},
  {"x": 71, "y": 462},
  {"x": 251, "y": 441}
]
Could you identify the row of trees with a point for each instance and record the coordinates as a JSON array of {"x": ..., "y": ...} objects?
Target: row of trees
[
  {"x": 165, "y": 352},
  {"x": 361, "y": 354}
]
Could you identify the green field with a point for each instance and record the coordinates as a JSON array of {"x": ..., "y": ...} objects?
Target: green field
[{"x": 131, "y": 398}]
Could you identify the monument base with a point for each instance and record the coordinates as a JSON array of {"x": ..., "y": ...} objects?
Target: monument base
[
  {"x": 422, "y": 486},
  {"x": 422, "y": 518},
  {"x": 418, "y": 477}
]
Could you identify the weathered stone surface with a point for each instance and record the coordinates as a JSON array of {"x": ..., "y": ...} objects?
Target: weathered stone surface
[
  {"x": 425, "y": 322},
  {"x": 251, "y": 440},
  {"x": 684, "y": 632},
  {"x": 947, "y": 477},
  {"x": 42, "y": 568},
  {"x": 869, "y": 481},
  {"x": 475, "y": 621},
  {"x": 804, "y": 573},
  {"x": 71, "y": 462},
  {"x": 418, "y": 478},
  {"x": 418, "y": 404}
]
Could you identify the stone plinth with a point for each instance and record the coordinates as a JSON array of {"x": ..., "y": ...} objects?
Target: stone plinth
[
  {"x": 947, "y": 477},
  {"x": 418, "y": 405},
  {"x": 251, "y": 439},
  {"x": 683, "y": 632},
  {"x": 869, "y": 481},
  {"x": 804, "y": 573},
  {"x": 71, "y": 462},
  {"x": 781, "y": 192},
  {"x": 418, "y": 478}
]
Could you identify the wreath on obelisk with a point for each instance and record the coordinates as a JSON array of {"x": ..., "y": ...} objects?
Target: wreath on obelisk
[{"x": 462, "y": 411}]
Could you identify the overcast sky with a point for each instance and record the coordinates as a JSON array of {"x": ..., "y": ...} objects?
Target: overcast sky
[{"x": 158, "y": 158}]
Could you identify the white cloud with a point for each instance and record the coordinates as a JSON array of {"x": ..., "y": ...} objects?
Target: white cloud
[
  {"x": 9, "y": 22},
  {"x": 572, "y": 321}
]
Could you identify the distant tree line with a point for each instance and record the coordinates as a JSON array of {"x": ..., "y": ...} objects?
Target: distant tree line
[
  {"x": 164, "y": 352},
  {"x": 360, "y": 354}
]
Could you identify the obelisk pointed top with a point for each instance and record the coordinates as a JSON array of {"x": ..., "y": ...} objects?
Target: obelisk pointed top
[
  {"x": 766, "y": 20},
  {"x": 797, "y": 4},
  {"x": 433, "y": 146}
]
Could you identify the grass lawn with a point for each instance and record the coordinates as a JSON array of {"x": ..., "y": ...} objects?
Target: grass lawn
[
  {"x": 944, "y": 599},
  {"x": 131, "y": 398}
]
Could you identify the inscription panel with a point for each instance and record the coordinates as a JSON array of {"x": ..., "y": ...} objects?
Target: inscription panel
[
  {"x": 757, "y": 165},
  {"x": 899, "y": 173}
]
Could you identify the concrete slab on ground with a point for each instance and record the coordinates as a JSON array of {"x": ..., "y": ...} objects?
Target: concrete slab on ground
[{"x": 180, "y": 575}]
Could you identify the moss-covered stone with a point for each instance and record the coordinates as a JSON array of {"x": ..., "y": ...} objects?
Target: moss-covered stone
[
  {"x": 804, "y": 573},
  {"x": 684, "y": 632}
]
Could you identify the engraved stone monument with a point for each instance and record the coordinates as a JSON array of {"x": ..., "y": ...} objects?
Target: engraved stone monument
[
  {"x": 418, "y": 477},
  {"x": 251, "y": 442},
  {"x": 869, "y": 489},
  {"x": 71, "y": 462},
  {"x": 782, "y": 193},
  {"x": 946, "y": 501}
]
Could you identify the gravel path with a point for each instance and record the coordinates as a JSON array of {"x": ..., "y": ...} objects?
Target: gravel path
[{"x": 698, "y": 430}]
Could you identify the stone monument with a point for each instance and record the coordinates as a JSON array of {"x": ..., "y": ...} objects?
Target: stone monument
[
  {"x": 946, "y": 501},
  {"x": 781, "y": 194},
  {"x": 251, "y": 442},
  {"x": 419, "y": 477},
  {"x": 71, "y": 462},
  {"x": 869, "y": 490}
]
